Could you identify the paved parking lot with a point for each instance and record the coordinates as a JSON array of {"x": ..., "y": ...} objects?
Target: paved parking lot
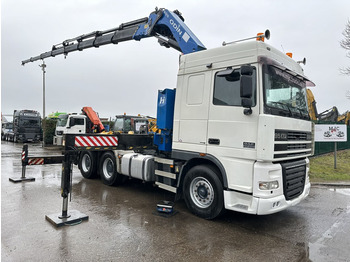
[{"x": 123, "y": 224}]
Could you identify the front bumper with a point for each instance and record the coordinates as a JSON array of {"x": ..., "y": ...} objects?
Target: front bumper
[{"x": 261, "y": 206}]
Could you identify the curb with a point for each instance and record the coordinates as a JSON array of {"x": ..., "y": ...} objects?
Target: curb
[{"x": 340, "y": 184}]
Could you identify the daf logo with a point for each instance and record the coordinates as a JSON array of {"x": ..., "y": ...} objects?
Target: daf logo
[{"x": 281, "y": 136}]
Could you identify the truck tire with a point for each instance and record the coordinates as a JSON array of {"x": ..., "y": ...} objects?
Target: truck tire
[
  {"x": 203, "y": 192},
  {"x": 88, "y": 165},
  {"x": 108, "y": 170}
]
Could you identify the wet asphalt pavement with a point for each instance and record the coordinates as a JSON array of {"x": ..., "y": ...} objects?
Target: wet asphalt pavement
[{"x": 123, "y": 224}]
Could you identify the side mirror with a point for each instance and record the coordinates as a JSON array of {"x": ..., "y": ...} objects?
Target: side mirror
[
  {"x": 246, "y": 86},
  {"x": 247, "y": 70},
  {"x": 246, "y": 102}
]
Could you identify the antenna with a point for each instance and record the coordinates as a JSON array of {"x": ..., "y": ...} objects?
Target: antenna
[
  {"x": 258, "y": 37},
  {"x": 282, "y": 48}
]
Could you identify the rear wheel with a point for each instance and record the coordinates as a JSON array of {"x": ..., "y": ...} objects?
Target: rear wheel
[
  {"x": 87, "y": 165},
  {"x": 203, "y": 192},
  {"x": 108, "y": 170}
]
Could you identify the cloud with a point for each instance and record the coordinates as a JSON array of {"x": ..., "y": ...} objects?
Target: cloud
[{"x": 122, "y": 78}]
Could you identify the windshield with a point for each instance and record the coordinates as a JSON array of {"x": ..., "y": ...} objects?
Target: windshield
[
  {"x": 27, "y": 122},
  {"x": 122, "y": 124},
  {"x": 285, "y": 94},
  {"x": 62, "y": 120}
]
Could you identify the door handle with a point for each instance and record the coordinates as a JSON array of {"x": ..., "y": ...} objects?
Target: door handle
[{"x": 214, "y": 141}]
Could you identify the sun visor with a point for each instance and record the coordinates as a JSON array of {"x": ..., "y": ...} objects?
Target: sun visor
[{"x": 274, "y": 63}]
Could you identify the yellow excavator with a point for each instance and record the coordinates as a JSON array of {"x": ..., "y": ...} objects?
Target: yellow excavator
[
  {"x": 331, "y": 114},
  {"x": 344, "y": 118},
  {"x": 311, "y": 103}
]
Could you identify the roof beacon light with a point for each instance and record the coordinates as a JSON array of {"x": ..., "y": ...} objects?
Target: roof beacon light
[
  {"x": 290, "y": 55},
  {"x": 259, "y": 37}
]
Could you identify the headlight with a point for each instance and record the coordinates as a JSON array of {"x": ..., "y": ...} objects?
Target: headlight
[{"x": 268, "y": 185}]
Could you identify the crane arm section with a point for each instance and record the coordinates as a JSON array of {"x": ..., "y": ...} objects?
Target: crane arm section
[
  {"x": 329, "y": 115},
  {"x": 95, "y": 120},
  {"x": 167, "y": 26}
]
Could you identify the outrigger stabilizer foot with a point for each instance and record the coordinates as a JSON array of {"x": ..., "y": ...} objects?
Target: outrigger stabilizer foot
[
  {"x": 23, "y": 178},
  {"x": 74, "y": 217}
]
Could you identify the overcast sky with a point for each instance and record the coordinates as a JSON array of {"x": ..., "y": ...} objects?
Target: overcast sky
[{"x": 114, "y": 79}]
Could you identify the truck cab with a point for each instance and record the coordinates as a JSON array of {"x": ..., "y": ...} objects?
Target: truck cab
[
  {"x": 26, "y": 126},
  {"x": 69, "y": 124},
  {"x": 6, "y": 131},
  {"x": 258, "y": 140},
  {"x": 128, "y": 123}
]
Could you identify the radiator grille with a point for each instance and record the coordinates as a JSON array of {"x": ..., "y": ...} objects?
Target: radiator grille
[
  {"x": 291, "y": 144},
  {"x": 294, "y": 174}
]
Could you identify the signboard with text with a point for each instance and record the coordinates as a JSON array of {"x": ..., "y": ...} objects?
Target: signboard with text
[{"x": 330, "y": 133}]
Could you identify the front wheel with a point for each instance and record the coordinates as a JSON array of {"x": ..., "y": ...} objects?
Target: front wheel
[
  {"x": 108, "y": 170},
  {"x": 203, "y": 192}
]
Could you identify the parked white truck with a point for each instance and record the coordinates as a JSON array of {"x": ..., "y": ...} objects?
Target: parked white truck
[
  {"x": 87, "y": 122},
  {"x": 235, "y": 133},
  {"x": 65, "y": 125}
]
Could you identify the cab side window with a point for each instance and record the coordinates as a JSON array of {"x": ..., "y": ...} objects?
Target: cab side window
[
  {"x": 227, "y": 88},
  {"x": 79, "y": 121}
]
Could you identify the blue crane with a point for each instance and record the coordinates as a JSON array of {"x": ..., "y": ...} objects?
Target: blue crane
[{"x": 167, "y": 26}]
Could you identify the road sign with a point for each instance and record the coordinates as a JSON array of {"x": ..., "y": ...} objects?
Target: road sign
[{"x": 330, "y": 133}]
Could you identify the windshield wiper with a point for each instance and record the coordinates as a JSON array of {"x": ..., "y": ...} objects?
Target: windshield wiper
[
  {"x": 302, "y": 115},
  {"x": 300, "y": 111},
  {"x": 283, "y": 105}
]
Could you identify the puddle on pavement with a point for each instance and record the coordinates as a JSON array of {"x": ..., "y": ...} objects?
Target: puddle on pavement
[
  {"x": 318, "y": 249},
  {"x": 343, "y": 191}
]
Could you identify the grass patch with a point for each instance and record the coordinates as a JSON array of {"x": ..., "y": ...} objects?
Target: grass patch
[{"x": 322, "y": 167}]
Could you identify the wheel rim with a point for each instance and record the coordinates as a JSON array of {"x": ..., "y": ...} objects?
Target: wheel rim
[
  {"x": 108, "y": 168},
  {"x": 202, "y": 192},
  {"x": 86, "y": 163}
]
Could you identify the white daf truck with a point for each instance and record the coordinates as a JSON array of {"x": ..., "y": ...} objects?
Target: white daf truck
[{"x": 235, "y": 133}]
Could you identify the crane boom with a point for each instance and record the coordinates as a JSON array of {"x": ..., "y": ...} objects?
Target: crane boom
[{"x": 167, "y": 26}]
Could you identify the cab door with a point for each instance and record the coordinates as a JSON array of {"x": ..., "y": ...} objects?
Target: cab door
[
  {"x": 232, "y": 130},
  {"x": 77, "y": 125}
]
